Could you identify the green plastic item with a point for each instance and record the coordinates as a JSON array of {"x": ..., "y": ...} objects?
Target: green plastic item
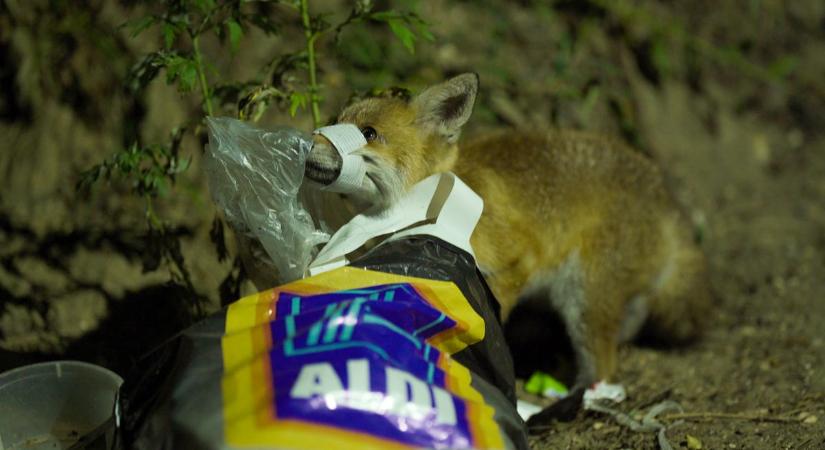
[{"x": 544, "y": 384}]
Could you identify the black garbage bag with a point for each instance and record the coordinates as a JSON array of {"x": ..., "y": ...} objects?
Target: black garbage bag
[{"x": 401, "y": 349}]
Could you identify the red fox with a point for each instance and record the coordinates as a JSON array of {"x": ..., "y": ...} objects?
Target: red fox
[{"x": 576, "y": 224}]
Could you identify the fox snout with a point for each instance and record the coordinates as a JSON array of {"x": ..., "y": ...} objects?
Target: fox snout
[
  {"x": 406, "y": 141},
  {"x": 323, "y": 164}
]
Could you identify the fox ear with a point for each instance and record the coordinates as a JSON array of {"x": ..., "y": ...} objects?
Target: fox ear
[{"x": 446, "y": 107}]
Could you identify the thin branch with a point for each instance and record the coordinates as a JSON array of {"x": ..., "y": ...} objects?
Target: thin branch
[
  {"x": 207, "y": 97},
  {"x": 311, "y": 36},
  {"x": 352, "y": 19},
  {"x": 151, "y": 218},
  {"x": 729, "y": 416}
]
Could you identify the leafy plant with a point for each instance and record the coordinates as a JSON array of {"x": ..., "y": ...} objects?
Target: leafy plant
[{"x": 181, "y": 26}]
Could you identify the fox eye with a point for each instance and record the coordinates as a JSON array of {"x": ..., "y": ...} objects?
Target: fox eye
[{"x": 369, "y": 133}]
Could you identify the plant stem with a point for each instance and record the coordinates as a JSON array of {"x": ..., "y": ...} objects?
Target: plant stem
[
  {"x": 151, "y": 217},
  {"x": 207, "y": 98},
  {"x": 313, "y": 83}
]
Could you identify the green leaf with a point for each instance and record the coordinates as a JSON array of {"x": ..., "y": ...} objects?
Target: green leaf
[
  {"x": 182, "y": 165},
  {"x": 425, "y": 32},
  {"x": 173, "y": 67},
  {"x": 363, "y": 7},
  {"x": 404, "y": 34},
  {"x": 422, "y": 27},
  {"x": 170, "y": 33},
  {"x": 296, "y": 100},
  {"x": 142, "y": 73},
  {"x": 182, "y": 70},
  {"x": 783, "y": 66},
  {"x": 188, "y": 77},
  {"x": 385, "y": 16},
  {"x": 235, "y": 33},
  {"x": 161, "y": 186},
  {"x": 89, "y": 177},
  {"x": 204, "y": 5},
  {"x": 661, "y": 56},
  {"x": 140, "y": 25}
]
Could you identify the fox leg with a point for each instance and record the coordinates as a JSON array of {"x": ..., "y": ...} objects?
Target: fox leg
[
  {"x": 582, "y": 317},
  {"x": 680, "y": 297},
  {"x": 576, "y": 319},
  {"x": 603, "y": 320}
]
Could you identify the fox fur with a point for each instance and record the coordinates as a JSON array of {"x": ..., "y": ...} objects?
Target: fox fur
[{"x": 575, "y": 224}]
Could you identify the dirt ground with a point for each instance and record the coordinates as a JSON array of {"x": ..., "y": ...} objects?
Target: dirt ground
[
  {"x": 756, "y": 379},
  {"x": 729, "y": 98}
]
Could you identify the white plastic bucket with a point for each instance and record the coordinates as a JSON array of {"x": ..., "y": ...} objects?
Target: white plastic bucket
[{"x": 58, "y": 405}]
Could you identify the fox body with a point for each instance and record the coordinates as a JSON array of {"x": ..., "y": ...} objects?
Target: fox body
[{"x": 575, "y": 224}]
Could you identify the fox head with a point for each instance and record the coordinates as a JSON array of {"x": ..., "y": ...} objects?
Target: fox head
[{"x": 407, "y": 141}]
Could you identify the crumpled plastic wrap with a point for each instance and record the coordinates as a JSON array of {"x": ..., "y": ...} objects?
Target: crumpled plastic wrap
[{"x": 254, "y": 177}]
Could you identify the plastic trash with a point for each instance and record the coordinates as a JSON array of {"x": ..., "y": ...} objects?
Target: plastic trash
[
  {"x": 254, "y": 177},
  {"x": 59, "y": 404},
  {"x": 334, "y": 361},
  {"x": 312, "y": 364},
  {"x": 544, "y": 384}
]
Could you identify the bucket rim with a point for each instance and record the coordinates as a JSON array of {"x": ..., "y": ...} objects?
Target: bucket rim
[{"x": 42, "y": 368}]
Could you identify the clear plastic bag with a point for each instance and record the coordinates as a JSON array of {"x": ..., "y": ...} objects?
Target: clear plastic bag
[{"x": 254, "y": 177}]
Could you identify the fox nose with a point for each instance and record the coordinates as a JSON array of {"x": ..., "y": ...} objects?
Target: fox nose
[{"x": 323, "y": 164}]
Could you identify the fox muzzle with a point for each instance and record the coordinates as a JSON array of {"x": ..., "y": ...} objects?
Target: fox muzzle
[{"x": 346, "y": 139}]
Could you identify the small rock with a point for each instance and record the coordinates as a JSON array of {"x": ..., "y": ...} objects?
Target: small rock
[
  {"x": 693, "y": 442},
  {"x": 598, "y": 425},
  {"x": 11, "y": 244},
  {"x": 748, "y": 331},
  {"x": 17, "y": 286},
  {"x": 113, "y": 272},
  {"x": 18, "y": 321},
  {"x": 24, "y": 331},
  {"x": 796, "y": 138},
  {"x": 39, "y": 273},
  {"x": 761, "y": 149},
  {"x": 77, "y": 313}
]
